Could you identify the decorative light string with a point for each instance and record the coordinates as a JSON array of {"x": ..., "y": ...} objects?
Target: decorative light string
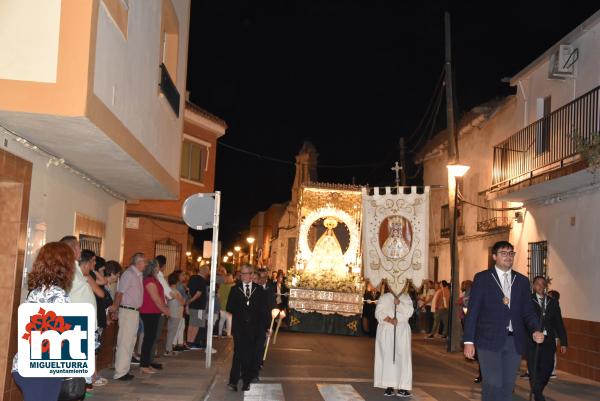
[{"x": 54, "y": 160}]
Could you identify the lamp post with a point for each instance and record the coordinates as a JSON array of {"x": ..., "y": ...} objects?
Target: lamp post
[
  {"x": 251, "y": 240},
  {"x": 237, "y": 250},
  {"x": 455, "y": 173}
]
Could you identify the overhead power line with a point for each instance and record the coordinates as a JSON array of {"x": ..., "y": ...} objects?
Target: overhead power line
[{"x": 290, "y": 162}]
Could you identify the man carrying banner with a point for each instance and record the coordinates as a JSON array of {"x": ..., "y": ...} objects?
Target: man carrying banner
[{"x": 393, "y": 360}]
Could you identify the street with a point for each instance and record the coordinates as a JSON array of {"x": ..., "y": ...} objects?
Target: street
[{"x": 303, "y": 367}]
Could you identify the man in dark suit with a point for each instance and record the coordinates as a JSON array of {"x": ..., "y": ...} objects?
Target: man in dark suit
[
  {"x": 248, "y": 304},
  {"x": 552, "y": 325},
  {"x": 262, "y": 279},
  {"x": 499, "y": 320}
]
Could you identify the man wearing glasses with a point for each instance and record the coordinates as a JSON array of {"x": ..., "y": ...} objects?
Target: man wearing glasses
[
  {"x": 249, "y": 307},
  {"x": 500, "y": 317}
]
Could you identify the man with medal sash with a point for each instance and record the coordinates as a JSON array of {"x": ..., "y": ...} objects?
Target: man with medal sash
[
  {"x": 251, "y": 316},
  {"x": 501, "y": 317}
]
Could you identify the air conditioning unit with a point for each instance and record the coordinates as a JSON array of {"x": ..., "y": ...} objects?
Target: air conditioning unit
[{"x": 563, "y": 62}]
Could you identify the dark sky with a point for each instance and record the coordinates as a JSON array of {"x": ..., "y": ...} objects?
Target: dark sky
[{"x": 350, "y": 76}]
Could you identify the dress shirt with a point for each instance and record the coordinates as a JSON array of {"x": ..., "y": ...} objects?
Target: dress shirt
[
  {"x": 500, "y": 274},
  {"x": 132, "y": 287},
  {"x": 165, "y": 285}
]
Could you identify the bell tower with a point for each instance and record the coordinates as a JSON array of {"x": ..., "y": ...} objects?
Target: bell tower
[{"x": 306, "y": 169}]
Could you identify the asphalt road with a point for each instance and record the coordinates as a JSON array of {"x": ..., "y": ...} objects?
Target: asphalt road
[{"x": 314, "y": 367}]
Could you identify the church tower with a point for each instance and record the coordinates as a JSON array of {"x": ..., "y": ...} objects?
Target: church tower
[{"x": 306, "y": 169}]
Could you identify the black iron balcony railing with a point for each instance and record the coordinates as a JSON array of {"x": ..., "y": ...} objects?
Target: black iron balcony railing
[
  {"x": 168, "y": 88},
  {"x": 549, "y": 143},
  {"x": 445, "y": 222},
  {"x": 491, "y": 219}
]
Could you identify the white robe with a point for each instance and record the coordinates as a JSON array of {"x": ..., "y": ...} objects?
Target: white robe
[{"x": 397, "y": 375}]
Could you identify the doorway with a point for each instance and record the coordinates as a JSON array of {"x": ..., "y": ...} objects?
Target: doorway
[{"x": 15, "y": 180}]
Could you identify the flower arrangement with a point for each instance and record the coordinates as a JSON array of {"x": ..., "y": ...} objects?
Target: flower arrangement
[{"x": 325, "y": 280}]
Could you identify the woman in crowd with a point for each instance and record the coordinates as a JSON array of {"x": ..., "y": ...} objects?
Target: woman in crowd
[
  {"x": 176, "y": 304},
  {"x": 152, "y": 306},
  {"x": 369, "y": 323},
  {"x": 182, "y": 329},
  {"x": 49, "y": 281},
  {"x": 223, "y": 294}
]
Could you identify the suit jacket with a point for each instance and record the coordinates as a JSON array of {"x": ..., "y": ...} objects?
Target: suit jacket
[
  {"x": 488, "y": 318},
  {"x": 248, "y": 320},
  {"x": 552, "y": 323},
  {"x": 271, "y": 296}
]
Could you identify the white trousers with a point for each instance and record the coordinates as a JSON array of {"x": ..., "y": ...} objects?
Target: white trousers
[{"x": 128, "y": 328}]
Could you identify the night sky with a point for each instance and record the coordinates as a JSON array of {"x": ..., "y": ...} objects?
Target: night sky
[{"x": 350, "y": 76}]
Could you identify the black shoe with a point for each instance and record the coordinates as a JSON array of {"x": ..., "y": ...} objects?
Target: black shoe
[
  {"x": 232, "y": 387},
  {"x": 404, "y": 393},
  {"x": 157, "y": 366},
  {"x": 389, "y": 392},
  {"x": 246, "y": 387},
  {"x": 135, "y": 361},
  {"x": 256, "y": 380},
  {"x": 477, "y": 380},
  {"x": 127, "y": 377}
]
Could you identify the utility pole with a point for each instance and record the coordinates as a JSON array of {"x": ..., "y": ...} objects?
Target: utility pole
[
  {"x": 402, "y": 162},
  {"x": 454, "y": 338}
]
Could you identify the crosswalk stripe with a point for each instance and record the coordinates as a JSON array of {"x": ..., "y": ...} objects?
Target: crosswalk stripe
[
  {"x": 339, "y": 392},
  {"x": 264, "y": 392},
  {"x": 470, "y": 395},
  {"x": 420, "y": 395}
]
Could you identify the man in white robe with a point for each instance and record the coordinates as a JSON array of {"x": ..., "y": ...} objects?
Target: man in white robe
[{"x": 389, "y": 374}]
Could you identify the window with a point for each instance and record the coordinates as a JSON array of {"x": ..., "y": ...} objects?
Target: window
[
  {"x": 169, "y": 37},
  {"x": 194, "y": 157},
  {"x": 446, "y": 221},
  {"x": 171, "y": 250},
  {"x": 119, "y": 12},
  {"x": 537, "y": 259},
  {"x": 91, "y": 243}
]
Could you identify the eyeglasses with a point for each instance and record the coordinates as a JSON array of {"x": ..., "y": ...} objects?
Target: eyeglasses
[{"x": 506, "y": 253}]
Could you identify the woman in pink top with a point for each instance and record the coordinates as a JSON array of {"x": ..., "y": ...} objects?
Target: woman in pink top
[{"x": 153, "y": 305}]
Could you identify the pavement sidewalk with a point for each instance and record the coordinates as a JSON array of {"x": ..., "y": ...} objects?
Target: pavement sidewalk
[
  {"x": 183, "y": 378},
  {"x": 566, "y": 387}
]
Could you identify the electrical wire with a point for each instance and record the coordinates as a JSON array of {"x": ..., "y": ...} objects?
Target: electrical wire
[
  {"x": 431, "y": 124},
  {"x": 495, "y": 209},
  {"x": 436, "y": 89},
  {"x": 289, "y": 162}
]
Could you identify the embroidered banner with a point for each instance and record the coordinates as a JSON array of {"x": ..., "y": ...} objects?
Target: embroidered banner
[{"x": 395, "y": 236}]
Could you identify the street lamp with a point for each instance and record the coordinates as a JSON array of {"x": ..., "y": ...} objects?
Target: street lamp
[
  {"x": 225, "y": 259},
  {"x": 455, "y": 173},
  {"x": 230, "y": 254},
  {"x": 251, "y": 240},
  {"x": 188, "y": 254},
  {"x": 237, "y": 250}
]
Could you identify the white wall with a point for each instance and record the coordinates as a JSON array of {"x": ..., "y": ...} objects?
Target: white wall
[
  {"x": 572, "y": 249},
  {"x": 536, "y": 83},
  {"x": 29, "y": 31},
  {"x": 57, "y": 195},
  {"x": 129, "y": 68}
]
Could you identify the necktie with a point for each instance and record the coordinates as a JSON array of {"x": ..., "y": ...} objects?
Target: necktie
[
  {"x": 247, "y": 290},
  {"x": 506, "y": 286},
  {"x": 506, "y": 289}
]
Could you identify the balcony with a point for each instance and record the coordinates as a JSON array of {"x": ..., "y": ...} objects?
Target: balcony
[
  {"x": 546, "y": 150},
  {"x": 492, "y": 219},
  {"x": 445, "y": 223}
]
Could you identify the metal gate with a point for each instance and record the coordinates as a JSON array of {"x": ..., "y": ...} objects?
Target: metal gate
[
  {"x": 171, "y": 249},
  {"x": 90, "y": 242}
]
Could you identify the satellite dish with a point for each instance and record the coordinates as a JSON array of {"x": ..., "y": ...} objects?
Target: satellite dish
[{"x": 198, "y": 211}]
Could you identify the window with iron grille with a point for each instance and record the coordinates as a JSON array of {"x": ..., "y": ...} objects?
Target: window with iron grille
[
  {"x": 90, "y": 242},
  {"x": 171, "y": 250},
  {"x": 537, "y": 259}
]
